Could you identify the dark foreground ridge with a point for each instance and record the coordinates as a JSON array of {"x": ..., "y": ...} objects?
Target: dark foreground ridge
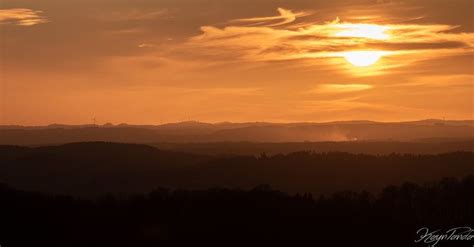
[
  {"x": 89, "y": 169},
  {"x": 225, "y": 217}
]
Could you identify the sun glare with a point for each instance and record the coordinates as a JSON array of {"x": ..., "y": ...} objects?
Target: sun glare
[
  {"x": 362, "y": 31},
  {"x": 368, "y": 31},
  {"x": 363, "y": 58}
]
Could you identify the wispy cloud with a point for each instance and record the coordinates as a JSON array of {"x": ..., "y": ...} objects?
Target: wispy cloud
[
  {"x": 21, "y": 17},
  {"x": 339, "y": 88},
  {"x": 264, "y": 41},
  {"x": 146, "y": 45},
  {"x": 133, "y": 15},
  {"x": 226, "y": 91},
  {"x": 286, "y": 16}
]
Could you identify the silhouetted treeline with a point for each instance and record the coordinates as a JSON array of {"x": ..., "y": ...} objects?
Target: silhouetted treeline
[
  {"x": 97, "y": 168},
  {"x": 427, "y": 146},
  {"x": 232, "y": 217}
]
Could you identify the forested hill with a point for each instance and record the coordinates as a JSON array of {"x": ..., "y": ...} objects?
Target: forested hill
[
  {"x": 230, "y": 217},
  {"x": 98, "y": 167}
]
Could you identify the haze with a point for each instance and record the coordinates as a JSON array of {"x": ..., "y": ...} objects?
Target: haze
[{"x": 151, "y": 62}]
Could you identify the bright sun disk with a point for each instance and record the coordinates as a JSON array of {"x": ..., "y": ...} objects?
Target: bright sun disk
[{"x": 362, "y": 58}]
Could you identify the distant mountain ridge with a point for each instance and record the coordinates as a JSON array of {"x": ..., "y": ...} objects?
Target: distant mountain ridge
[
  {"x": 198, "y": 124},
  {"x": 192, "y": 131}
]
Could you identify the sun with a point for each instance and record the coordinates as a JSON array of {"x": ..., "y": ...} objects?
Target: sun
[
  {"x": 367, "y": 31},
  {"x": 362, "y": 31},
  {"x": 363, "y": 58}
]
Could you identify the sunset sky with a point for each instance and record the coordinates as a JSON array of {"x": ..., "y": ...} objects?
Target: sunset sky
[{"x": 157, "y": 61}]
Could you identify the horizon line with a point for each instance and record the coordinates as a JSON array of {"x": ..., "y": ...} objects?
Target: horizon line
[{"x": 230, "y": 122}]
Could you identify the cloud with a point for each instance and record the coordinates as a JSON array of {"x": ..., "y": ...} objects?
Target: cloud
[
  {"x": 286, "y": 16},
  {"x": 353, "y": 108},
  {"x": 134, "y": 15},
  {"x": 264, "y": 41},
  {"x": 21, "y": 17},
  {"x": 146, "y": 45},
  {"x": 225, "y": 91},
  {"x": 339, "y": 88}
]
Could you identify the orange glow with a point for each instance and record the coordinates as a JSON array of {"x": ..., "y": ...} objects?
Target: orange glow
[
  {"x": 167, "y": 62},
  {"x": 363, "y": 58},
  {"x": 369, "y": 31}
]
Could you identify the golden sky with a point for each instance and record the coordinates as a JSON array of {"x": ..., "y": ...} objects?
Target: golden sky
[{"x": 156, "y": 61}]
